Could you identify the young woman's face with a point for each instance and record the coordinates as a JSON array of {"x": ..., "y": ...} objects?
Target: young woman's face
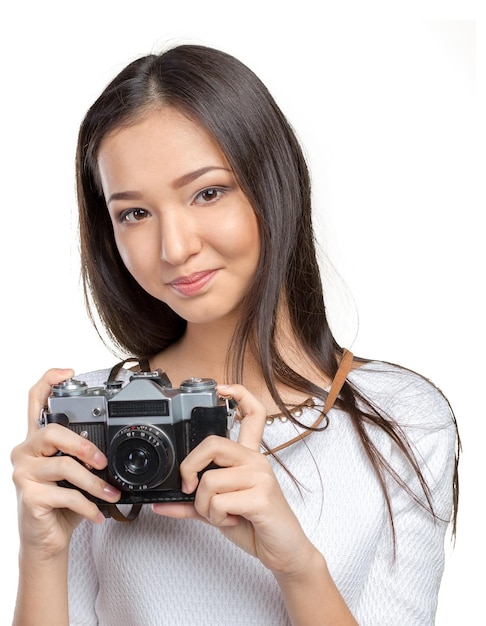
[{"x": 183, "y": 226}]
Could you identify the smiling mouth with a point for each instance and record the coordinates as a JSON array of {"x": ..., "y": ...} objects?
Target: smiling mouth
[{"x": 193, "y": 284}]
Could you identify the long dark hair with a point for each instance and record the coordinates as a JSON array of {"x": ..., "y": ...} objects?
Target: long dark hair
[{"x": 234, "y": 106}]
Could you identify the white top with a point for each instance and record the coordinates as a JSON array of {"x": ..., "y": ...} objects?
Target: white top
[{"x": 157, "y": 570}]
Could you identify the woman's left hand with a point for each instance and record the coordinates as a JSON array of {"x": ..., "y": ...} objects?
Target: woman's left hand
[{"x": 242, "y": 496}]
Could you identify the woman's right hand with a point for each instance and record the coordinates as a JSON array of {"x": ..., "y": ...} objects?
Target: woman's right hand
[{"x": 47, "y": 512}]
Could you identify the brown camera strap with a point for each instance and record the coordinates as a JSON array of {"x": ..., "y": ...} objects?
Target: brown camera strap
[
  {"x": 115, "y": 370},
  {"x": 338, "y": 381},
  {"x": 111, "y": 510}
]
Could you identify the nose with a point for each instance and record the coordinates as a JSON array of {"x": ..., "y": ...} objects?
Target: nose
[{"x": 179, "y": 238}]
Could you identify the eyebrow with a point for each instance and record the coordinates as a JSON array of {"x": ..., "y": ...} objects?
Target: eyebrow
[
  {"x": 188, "y": 178},
  {"x": 183, "y": 180}
]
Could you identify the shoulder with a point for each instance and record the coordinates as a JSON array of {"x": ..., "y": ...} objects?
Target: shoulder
[
  {"x": 423, "y": 420},
  {"x": 98, "y": 378},
  {"x": 410, "y": 398}
]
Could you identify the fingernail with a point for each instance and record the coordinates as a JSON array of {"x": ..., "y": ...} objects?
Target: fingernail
[
  {"x": 187, "y": 488},
  {"x": 110, "y": 491},
  {"x": 99, "y": 459}
]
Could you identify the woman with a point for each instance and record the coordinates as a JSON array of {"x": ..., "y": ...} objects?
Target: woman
[{"x": 198, "y": 258}]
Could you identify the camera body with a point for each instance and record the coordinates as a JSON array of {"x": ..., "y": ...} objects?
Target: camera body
[{"x": 145, "y": 428}]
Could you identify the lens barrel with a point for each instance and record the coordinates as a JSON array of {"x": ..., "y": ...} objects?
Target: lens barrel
[{"x": 140, "y": 457}]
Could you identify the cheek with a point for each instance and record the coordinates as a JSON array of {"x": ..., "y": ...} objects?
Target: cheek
[
  {"x": 249, "y": 241},
  {"x": 133, "y": 256},
  {"x": 241, "y": 237},
  {"x": 123, "y": 251}
]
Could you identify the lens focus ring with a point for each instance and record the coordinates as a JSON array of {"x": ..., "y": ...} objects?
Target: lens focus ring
[{"x": 140, "y": 457}]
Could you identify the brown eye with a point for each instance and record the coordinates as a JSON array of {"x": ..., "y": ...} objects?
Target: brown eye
[
  {"x": 211, "y": 194},
  {"x": 134, "y": 215}
]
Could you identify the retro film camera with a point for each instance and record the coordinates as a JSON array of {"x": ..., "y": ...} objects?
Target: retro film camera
[{"x": 145, "y": 428}]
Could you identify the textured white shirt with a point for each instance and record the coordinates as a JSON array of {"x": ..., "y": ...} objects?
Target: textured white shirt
[{"x": 157, "y": 571}]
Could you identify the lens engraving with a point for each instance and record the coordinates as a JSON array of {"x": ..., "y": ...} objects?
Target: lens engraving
[{"x": 140, "y": 457}]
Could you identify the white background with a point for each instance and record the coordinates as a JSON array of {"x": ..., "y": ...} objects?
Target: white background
[{"x": 387, "y": 104}]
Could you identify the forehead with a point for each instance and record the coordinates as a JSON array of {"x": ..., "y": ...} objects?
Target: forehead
[
  {"x": 166, "y": 124},
  {"x": 162, "y": 141}
]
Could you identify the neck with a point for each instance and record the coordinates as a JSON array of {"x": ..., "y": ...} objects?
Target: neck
[
  {"x": 203, "y": 352},
  {"x": 200, "y": 352}
]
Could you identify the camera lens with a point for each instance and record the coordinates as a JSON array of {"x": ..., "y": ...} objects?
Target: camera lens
[
  {"x": 140, "y": 457},
  {"x": 137, "y": 461}
]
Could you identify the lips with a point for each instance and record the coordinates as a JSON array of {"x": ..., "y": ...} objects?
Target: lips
[{"x": 193, "y": 284}]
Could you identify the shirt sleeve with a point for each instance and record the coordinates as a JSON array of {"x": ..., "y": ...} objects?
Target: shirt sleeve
[{"x": 403, "y": 581}]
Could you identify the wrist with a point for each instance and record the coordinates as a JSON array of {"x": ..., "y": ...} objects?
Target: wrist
[
  {"x": 309, "y": 564},
  {"x": 310, "y": 594},
  {"x": 41, "y": 556}
]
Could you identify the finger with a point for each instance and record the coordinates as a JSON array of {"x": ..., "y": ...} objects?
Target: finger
[
  {"x": 39, "y": 393},
  {"x": 185, "y": 510},
  {"x": 179, "y": 510},
  {"x": 227, "y": 508},
  {"x": 253, "y": 415},
  {"x": 48, "y": 497},
  {"x": 65, "y": 468},
  {"x": 54, "y": 438},
  {"x": 240, "y": 480},
  {"x": 33, "y": 465},
  {"x": 214, "y": 449}
]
